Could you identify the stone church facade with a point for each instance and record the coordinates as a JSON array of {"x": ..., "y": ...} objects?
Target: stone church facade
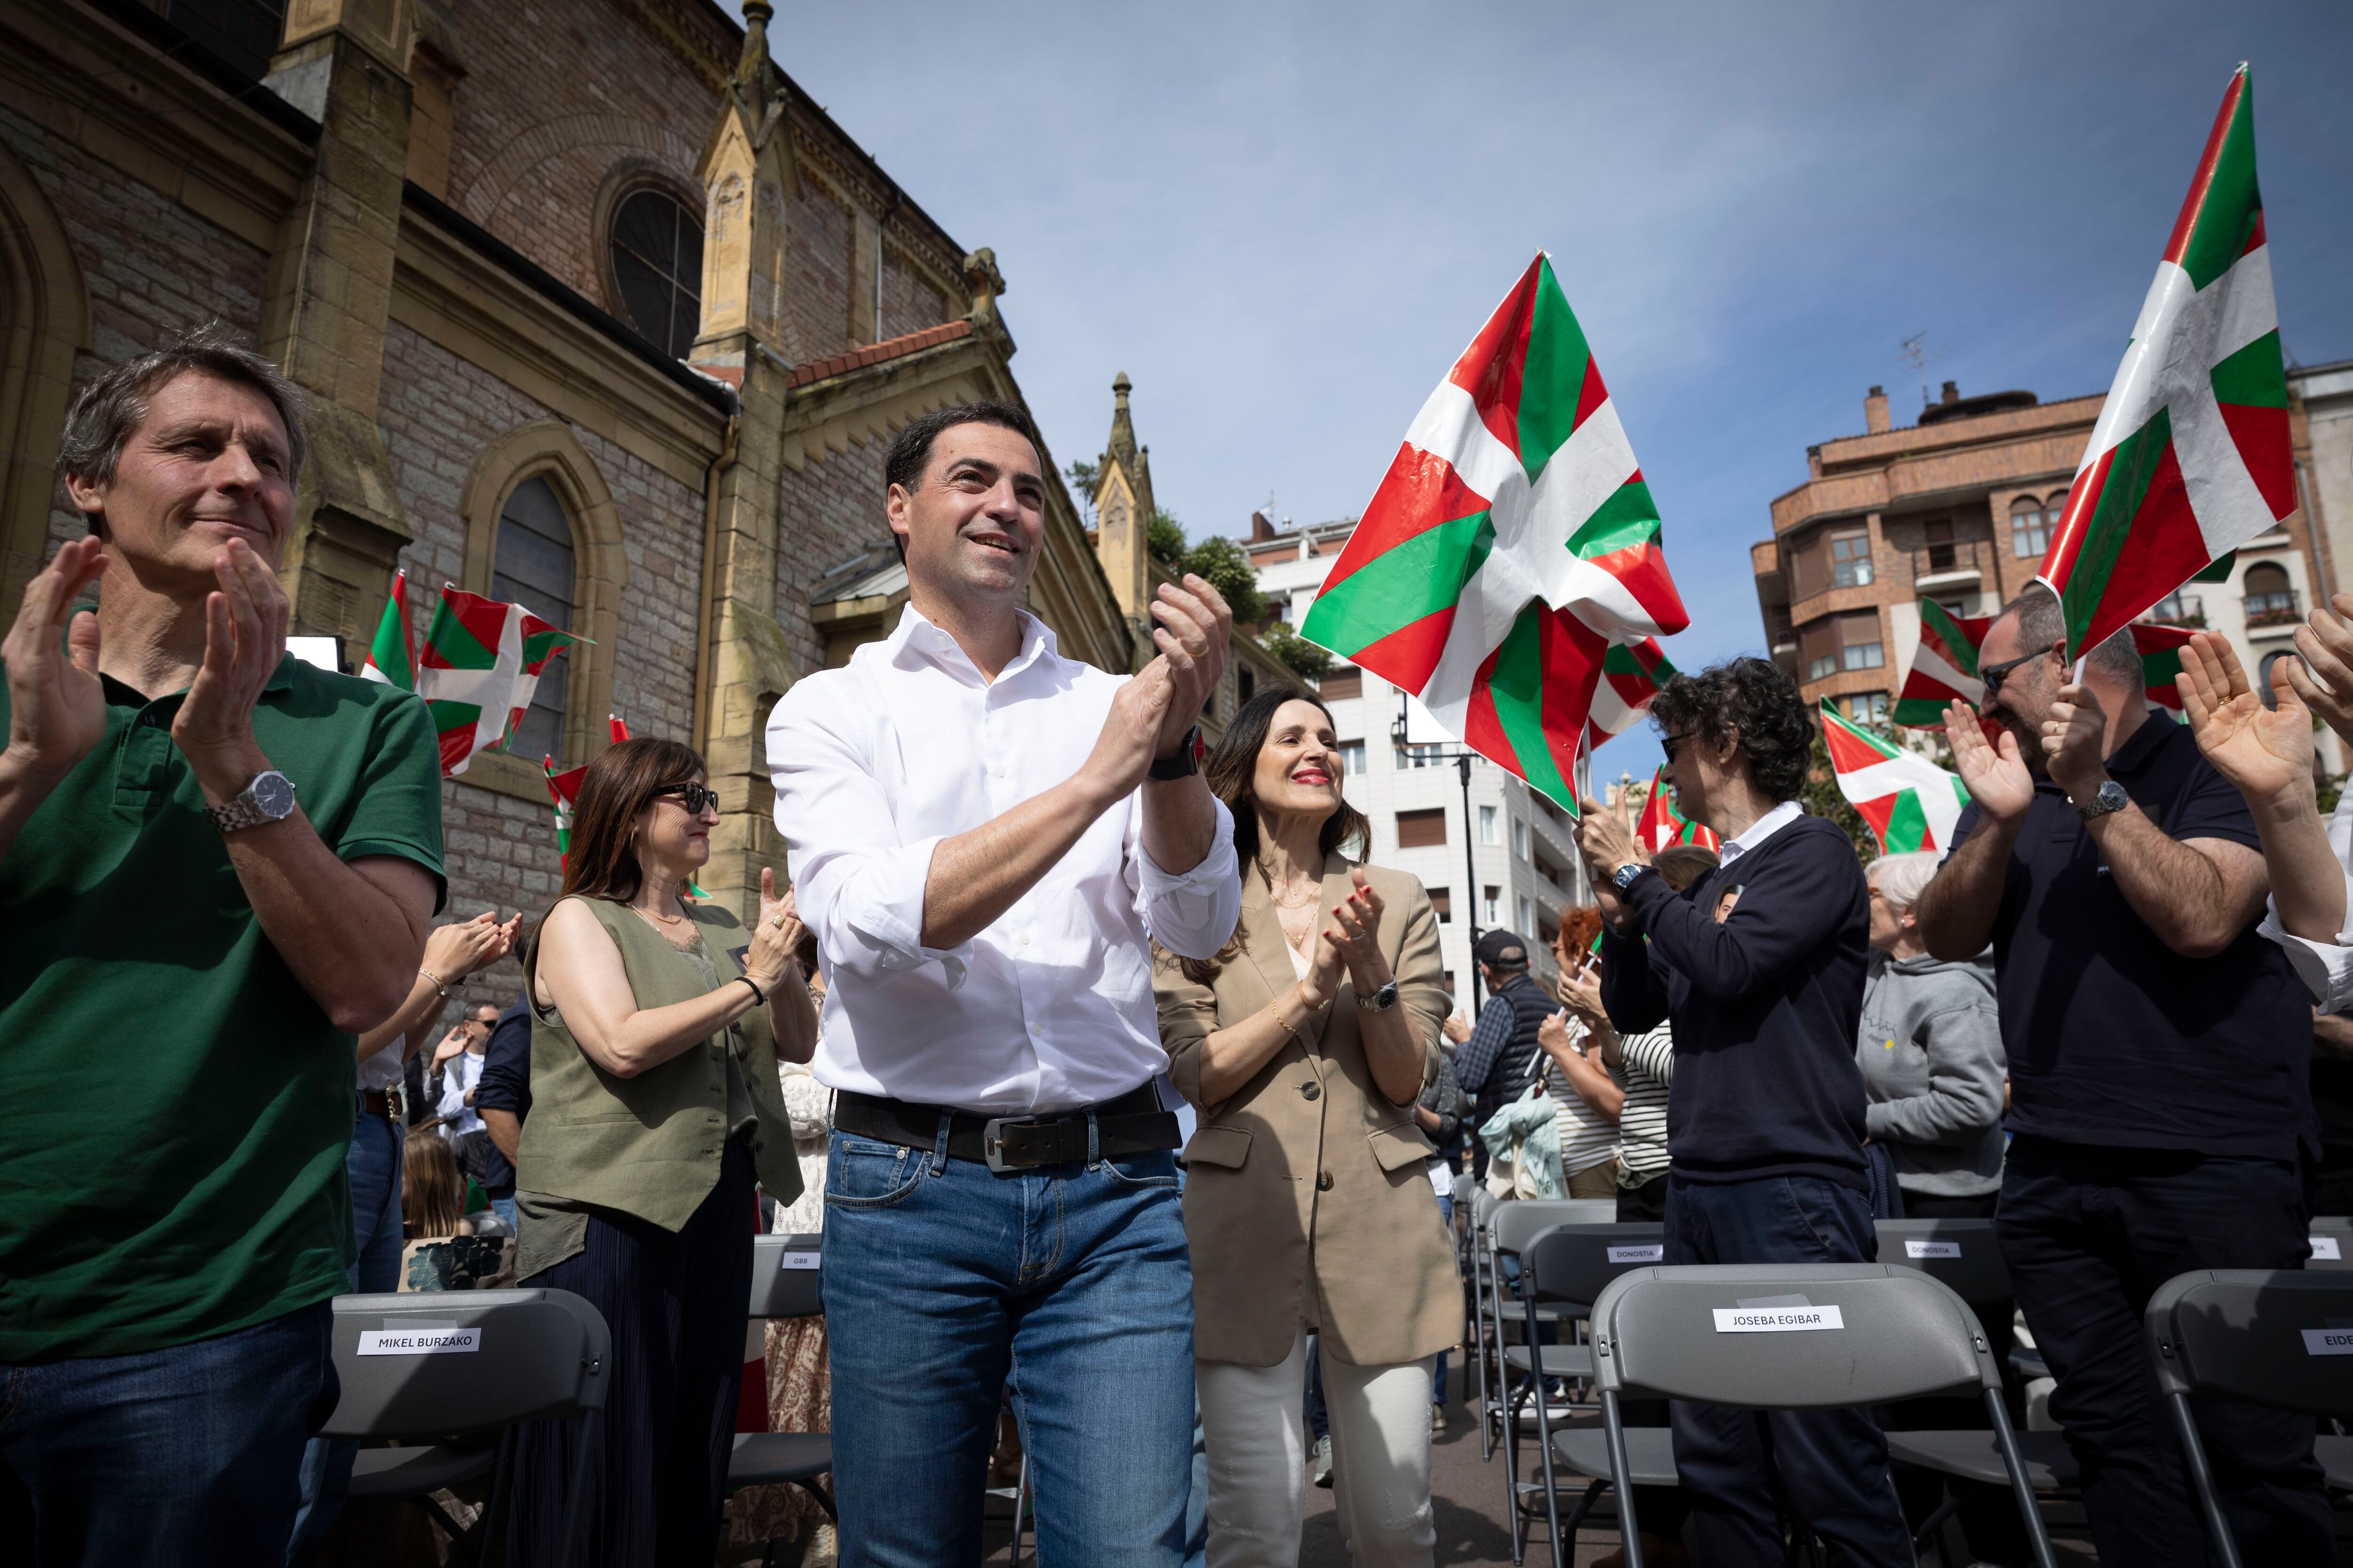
[{"x": 596, "y": 310}]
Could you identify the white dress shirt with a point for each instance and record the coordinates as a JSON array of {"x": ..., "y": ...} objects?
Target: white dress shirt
[
  {"x": 2325, "y": 967},
  {"x": 1764, "y": 828},
  {"x": 1050, "y": 1008},
  {"x": 460, "y": 1075}
]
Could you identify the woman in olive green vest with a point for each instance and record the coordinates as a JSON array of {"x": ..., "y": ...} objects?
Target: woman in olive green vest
[{"x": 657, "y": 1029}]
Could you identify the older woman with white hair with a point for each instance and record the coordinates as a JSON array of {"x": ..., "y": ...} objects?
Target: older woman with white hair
[{"x": 1931, "y": 1054}]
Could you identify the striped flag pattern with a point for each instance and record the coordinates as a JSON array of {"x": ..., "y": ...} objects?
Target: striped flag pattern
[
  {"x": 481, "y": 662},
  {"x": 2160, "y": 661},
  {"x": 2190, "y": 457},
  {"x": 1663, "y": 823},
  {"x": 392, "y": 658},
  {"x": 1909, "y": 801},
  {"x": 1511, "y": 543},
  {"x": 1631, "y": 674},
  {"x": 1943, "y": 669}
]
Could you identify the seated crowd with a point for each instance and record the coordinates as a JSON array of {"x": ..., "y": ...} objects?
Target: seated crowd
[{"x": 1038, "y": 942}]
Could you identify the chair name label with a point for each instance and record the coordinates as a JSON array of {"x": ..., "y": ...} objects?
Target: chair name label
[
  {"x": 1653, "y": 1253},
  {"x": 1777, "y": 1320},
  {"x": 800, "y": 1260},
  {"x": 1913, "y": 1248},
  {"x": 420, "y": 1342}
]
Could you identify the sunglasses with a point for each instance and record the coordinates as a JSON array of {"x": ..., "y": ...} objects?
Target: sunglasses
[
  {"x": 1667, "y": 743},
  {"x": 697, "y": 798},
  {"x": 1993, "y": 675}
]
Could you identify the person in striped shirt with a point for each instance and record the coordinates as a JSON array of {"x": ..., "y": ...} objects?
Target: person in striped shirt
[{"x": 1640, "y": 1067}]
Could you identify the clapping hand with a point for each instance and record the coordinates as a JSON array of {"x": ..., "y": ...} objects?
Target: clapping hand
[
  {"x": 56, "y": 708},
  {"x": 1356, "y": 933},
  {"x": 775, "y": 937},
  {"x": 452, "y": 1043},
  {"x": 1607, "y": 844},
  {"x": 1996, "y": 777},
  {"x": 453, "y": 951},
  {"x": 1193, "y": 629},
  {"x": 2075, "y": 743},
  {"x": 2265, "y": 752},
  {"x": 2324, "y": 680},
  {"x": 1580, "y": 989},
  {"x": 244, "y": 638}
]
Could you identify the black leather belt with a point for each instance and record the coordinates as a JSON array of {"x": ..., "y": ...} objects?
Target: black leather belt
[{"x": 1131, "y": 1125}]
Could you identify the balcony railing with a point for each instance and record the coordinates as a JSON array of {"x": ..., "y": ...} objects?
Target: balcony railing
[
  {"x": 2273, "y": 609},
  {"x": 2178, "y": 609}
]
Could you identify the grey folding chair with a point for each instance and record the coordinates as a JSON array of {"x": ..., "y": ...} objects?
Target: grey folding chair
[
  {"x": 1787, "y": 1337},
  {"x": 1963, "y": 1255},
  {"x": 787, "y": 1282},
  {"x": 2331, "y": 1238},
  {"x": 463, "y": 1365},
  {"x": 1483, "y": 1209},
  {"x": 2263, "y": 1336},
  {"x": 1510, "y": 1227},
  {"x": 1566, "y": 1267}
]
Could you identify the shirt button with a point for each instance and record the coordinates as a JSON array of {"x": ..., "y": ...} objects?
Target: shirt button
[
  {"x": 1311, "y": 1091},
  {"x": 1025, "y": 939},
  {"x": 1324, "y": 1182}
]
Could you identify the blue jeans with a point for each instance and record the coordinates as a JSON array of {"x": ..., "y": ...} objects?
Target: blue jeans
[
  {"x": 1832, "y": 1464},
  {"x": 2089, "y": 1235},
  {"x": 944, "y": 1282},
  {"x": 373, "y": 1163},
  {"x": 1446, "y": 1218},
  {"x": 169, "y": 1459}
]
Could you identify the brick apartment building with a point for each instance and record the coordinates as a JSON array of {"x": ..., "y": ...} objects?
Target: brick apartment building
[
  {"x": 596, "y": 310},
  {"x": 1959, "y": 507}
]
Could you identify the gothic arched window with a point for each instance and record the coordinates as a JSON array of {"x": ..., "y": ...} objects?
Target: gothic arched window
[
  {"x": 657, "y": 257},
  {"x": 535, "y": 568}
]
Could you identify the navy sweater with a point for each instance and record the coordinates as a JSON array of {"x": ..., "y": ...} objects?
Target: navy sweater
[{"x": 1764, "y": 1008}]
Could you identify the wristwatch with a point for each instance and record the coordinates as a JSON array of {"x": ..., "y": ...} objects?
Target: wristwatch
[
  {"x": 1184, "y": 763},
  {"x": 2111, "y": 796},
  {"x": 269, "y": 798},
  {"x": 1624, "y": 876},
  {"x": 1381, "y": 1000}
]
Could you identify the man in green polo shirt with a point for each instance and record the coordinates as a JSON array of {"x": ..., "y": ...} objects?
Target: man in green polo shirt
[{"x": 217, "y": 865}]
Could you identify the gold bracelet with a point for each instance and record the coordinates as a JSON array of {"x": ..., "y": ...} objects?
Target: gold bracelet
[{"x": 1284, "y": 1024}]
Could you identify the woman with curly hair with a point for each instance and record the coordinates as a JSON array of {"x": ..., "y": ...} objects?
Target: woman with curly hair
[{"x": 1765, "y": 1125}]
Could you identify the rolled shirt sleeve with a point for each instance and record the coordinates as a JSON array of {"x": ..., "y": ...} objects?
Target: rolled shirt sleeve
[
  {"x": 1191, "y": 913},
  {"x": 2325, "y": 967}
]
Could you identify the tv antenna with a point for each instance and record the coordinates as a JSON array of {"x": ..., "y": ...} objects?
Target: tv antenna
[{"x": 1915, "y": 355}]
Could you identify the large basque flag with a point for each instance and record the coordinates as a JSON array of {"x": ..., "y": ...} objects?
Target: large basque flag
[
  {"x": 2189, "y": 459},
  {"x": 1944, "y": 668},
  {"x": 1632, "y": 675},
  {"x": 1512, "y": 541},
  {"x": 1909, "y": 801}
]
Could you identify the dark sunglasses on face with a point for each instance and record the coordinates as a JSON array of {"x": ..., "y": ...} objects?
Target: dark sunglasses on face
[
  {"x": 1993, "y": 675},
  {"x": 697, "y": 798},
  {"x": 1667, "y": 743}
]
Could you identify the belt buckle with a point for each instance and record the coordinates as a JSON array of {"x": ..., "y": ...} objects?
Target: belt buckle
[{"x": 992, "y": 1141}]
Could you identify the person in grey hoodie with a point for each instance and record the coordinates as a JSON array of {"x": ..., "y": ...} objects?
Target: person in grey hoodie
[{"x": 1930, "y": 1051}]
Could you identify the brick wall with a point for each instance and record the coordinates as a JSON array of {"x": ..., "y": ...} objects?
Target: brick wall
[
  {"x": 438, "y": 414},
  {"x": 152, "y": 267},
  {"x": 827, "y": 512},
  {"x": 909, "y": 304},
  {"x": 557, "y": 96},
  {"x": 816, "y": 270}
]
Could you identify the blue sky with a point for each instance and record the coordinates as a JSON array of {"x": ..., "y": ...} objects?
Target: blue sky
[{"x": 1283, "y": 221}]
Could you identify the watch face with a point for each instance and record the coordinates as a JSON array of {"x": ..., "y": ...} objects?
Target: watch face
[{"x": 273, "y": 792}]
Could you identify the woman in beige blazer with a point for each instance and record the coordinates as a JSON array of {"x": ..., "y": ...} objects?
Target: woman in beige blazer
[{"x": 1305, "y": 1043}]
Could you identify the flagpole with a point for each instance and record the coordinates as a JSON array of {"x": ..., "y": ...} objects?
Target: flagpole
[{"x": 1471, "y": 877}]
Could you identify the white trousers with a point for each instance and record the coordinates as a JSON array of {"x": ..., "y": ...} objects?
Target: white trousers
[{"x": 1254, "y": 1429}]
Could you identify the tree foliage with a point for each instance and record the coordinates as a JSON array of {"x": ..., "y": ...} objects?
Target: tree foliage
[
  {"x": 1295, "y": 653},
  {"x": 1082, "y": 477},
  {"x": 1163, "y": 540},
  {"x": 1822, "y": 798},
  {"x": 1226, "y": 567}
]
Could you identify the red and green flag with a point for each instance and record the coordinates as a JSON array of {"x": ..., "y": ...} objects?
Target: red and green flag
[
  {"x": 1631, "y": 674},
  {"x": 1909, "y": 801},
  {"x": 1944, "y": 668},
  {"x": 2160, "y": 661},
  {"x": 481, "y": 662},
  {"x": 1512, "y": 541},
  {"x": 1663, "y": 825},
  {"x": 2189, "y": 459},
  {"x": 565, "y": 787},
  {"x": 392, "y": 658}
]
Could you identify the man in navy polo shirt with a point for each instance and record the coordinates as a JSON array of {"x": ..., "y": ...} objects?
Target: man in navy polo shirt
[{"x": 2158, "y": 1053}]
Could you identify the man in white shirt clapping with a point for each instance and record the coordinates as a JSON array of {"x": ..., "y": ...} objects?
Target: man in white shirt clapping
[{"x": 986, "y": 838}]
